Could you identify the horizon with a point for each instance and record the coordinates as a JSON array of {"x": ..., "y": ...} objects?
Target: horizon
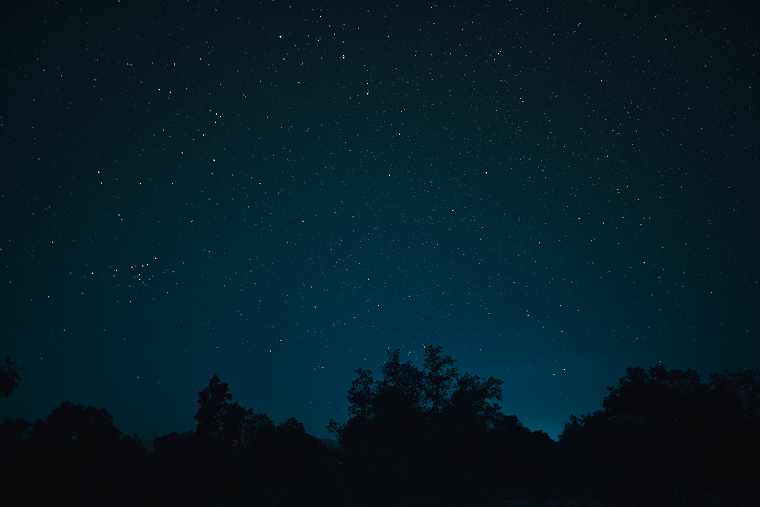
[{"x": 551, "y": 429}]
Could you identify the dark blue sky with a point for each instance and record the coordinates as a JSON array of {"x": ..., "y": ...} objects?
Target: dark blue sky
[{"x": 280, "y": 193}]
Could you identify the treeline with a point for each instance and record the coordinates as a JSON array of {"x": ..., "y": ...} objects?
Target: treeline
[{"x": 415, "y": 436}]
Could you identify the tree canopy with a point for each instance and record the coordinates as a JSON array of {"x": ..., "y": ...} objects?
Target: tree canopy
[
  {"x": 427, "y": 435},
  {"x": 437, "y": 390},
  {"x": 662, "y": 427},
  {"x": 219, "y": 420}
]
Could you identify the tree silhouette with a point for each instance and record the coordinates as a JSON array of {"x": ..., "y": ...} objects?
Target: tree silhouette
[
  {"x": 361, "y": 394},
  {"x": 469, "y": 401},
  {"x": 256, "y": 429},
  {"x": 436, "y": 389},
  {"x": 432, "y": 435},
  {"x": 415, "y": 436},
  {"x": 738, "y": 393},
  {"x": 402, "y": 381},
  {"x": 656, "y": 395},
  {"x": 219, "y": 420},
  {"x": 664, "y": 430},
  {"x": 9, "y": 377},
  {"x": 440, "y": 375},
  {"x": 78, "y": 453}
]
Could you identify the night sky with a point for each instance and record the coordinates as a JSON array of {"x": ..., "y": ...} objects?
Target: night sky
[{"x": 279, "y": 193}]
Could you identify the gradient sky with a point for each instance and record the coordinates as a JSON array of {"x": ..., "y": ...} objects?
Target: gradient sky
[{"x": 280, "y": 193}]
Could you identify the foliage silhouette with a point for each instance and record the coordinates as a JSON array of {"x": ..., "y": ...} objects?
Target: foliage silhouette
[
  {"x": 414, "y": 436},
  {"x": 430, "y": 434},
  {"x": 440, "y": 375},
  {"x": 219, "y": 420},
  {"x": 9, "y": 377},
  {"x": 76, "y": 452},
  {"x": 661, "y": 431}
]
